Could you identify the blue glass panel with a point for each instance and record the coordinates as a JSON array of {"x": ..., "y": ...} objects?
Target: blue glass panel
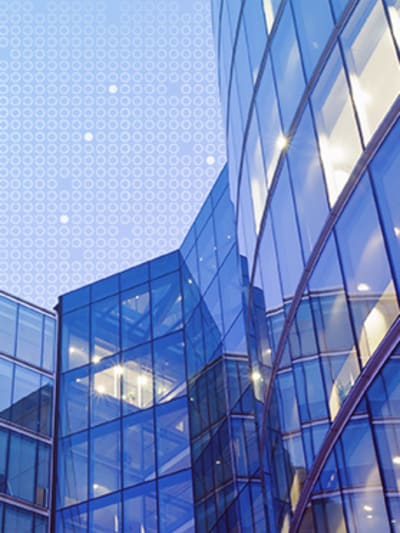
[
  {"x": 301, "y": 336},
  {"x": 49, "y": 343},
  {"x": 327, "y": 275},
  {"x": 140, "y": 508},
  {"x": 286, "y": 235},
  {"x": 205, "y": 213},
  {"x": 21, "y": 467},
  {"x": 373, "y": 299},
  {"x": 212, "y": 302},
  {"x": 269, "y": 268},
  {"x": 138, "y": 448},
  {"x": 384, "y": 169},
  {"x": 105, "y": 514},
  {"x": 287, "y": 63},
  {"x": 310, "y": 391},
  {"x": 206, "y": 252},
  {"x": 245, "y": 447},
  {"x": 195, "y": 354},
  {"x": 72, "y": 472},
  {"x": 360, "y": 519},
  {"x": 137, "y": 379},
  {"x": 356, "y": 456},
  {"x": 6, "y": 381},
  {"x": 134, "y": 276},
  {"x": 254, "y": 21},
  {"x": 105, "y": 328},
  {"x": 384, "y": 393},
  {"x": 42, "y": 493},
  {"x": 18, "y": 520},
  {"x": 242, "y": 73},
  {"x": 332, "y": 321},
  {"x": 176, "y": 503},
  {"x": 231, "y": 289},
  {"x": 224, "y": 226},
  {"x": 41, "y": 524},
  {"x": 287, "y": 401},
  {"x": 105, "y": 287},
  {"x": 308, "y": 183},
  {"x": 314, "y": 26},
  {"x": 329, "y": 514},
  {"x": 75, "y": 339},
  {"x": 388, "y": 449},
  {"x": 75, "y": 299},
  {"x": 166, "y": 304},
  {"x": 3, "y": 460},
  {"x": 73, "y": 519},
  {"x": 338, "y": 7},
  {"x": 105, "y": 459},
  {"x": 74, "y": 401},
  {"x": 135, "y": 310},
  {"x": 105, "y": 390},
  {"x": 46, "y": 405},
  {"x": 29, "y": 335},
  {"x": 8, "y": 325},
  {"x": 26, "y": 396},
  {"x": 173, "y": 450},
  {"x": 169, "y": 366},
  {"x": 164, "y": 264}
]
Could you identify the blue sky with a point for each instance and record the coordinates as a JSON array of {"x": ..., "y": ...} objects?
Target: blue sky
[{"x": 110, "y": 136}]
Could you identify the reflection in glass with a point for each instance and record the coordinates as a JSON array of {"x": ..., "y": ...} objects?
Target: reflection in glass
[
  {"x": 75, "y": 339},
  {"x": 29, "y": 335},
  {"x": 8, "y": 325},
  {"x": 135, "y": 309},
  {"x": 105, "y": 328},
  {"x": 139, "y": 448},
  {"x": 372, "y": 61},
  {"x": 169, "y": 366},
  {"x": 137, "y": 378},
  {"x": 105, "y": 459},
  {"x": 337, "y": 130},
  {"x": 105, "y": 391}
]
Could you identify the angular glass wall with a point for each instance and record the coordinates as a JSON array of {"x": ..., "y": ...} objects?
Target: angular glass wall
[
  {"x": 27, "y": 356},
  {"x": 156, "y": 428}
]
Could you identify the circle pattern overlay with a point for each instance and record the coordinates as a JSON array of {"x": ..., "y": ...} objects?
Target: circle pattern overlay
[{"x": 110, "y": 136}]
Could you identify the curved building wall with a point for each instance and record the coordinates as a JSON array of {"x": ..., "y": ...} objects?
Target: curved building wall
[{"x": 313, "y": 156}]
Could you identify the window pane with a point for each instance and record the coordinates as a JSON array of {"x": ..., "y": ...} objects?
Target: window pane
[
  {"x": 25, "y": 408},
  {"x": 6, "y": 377},
  {"x": 137, "y": 379},
  {"x": 385, "y": 172},
  {"x": 287, "y": 63},
  {"x": 105, "y": 459},
  {"x": 29, "y": 340},
  {"x": 8, "y": 325},
  {"x": 105, "y": 328},
  {"x": 105, "y": 515},
  {"x": 308, "y": 183},
  {"x": 176, "y": 503},
  {"x": 372, "y": 61},
  {"x": 75, "y": 339},
  {"x": 17, "y": 520},
  {"x": 21, "y": 467},
  {"x": 166, "y": 304},
  {"x": 139, "y": 448},
  {"x": 369, "y": 283},
  {"x": 337, "y": 131},
  {"x": 314, "y": 25},
  {"x": 135, "y": 308},
  {"x": 74, "y": 400},
  {"x": 169, "y": 365},
  {"x": 140, "y": 509},
  {"x": 49, "y": 339},
  {"x": 72, "y": 472},
  {"x": 173, "y": 451},
  {"x": 105, "y": 393}
]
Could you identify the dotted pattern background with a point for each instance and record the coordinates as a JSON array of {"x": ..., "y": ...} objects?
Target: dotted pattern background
[{"x": 110, "y": 136}]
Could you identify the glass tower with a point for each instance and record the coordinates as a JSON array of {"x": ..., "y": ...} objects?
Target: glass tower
[
  {"x": 27, "y": 350},
  {"x": 310, "y": 93}
]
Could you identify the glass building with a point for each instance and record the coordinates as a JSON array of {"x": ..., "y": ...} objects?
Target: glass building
[
  {"x": 249, "y": 381},
  {"x": 156, "y": 413},
  {"x": 27, "y": 354},
  {"x": 310, "y": 94}
]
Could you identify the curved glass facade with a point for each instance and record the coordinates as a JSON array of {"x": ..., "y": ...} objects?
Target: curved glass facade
[{"x": 312, "y": 110}]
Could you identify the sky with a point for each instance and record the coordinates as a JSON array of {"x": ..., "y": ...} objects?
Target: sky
[{"x": 110, "y": 136}]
